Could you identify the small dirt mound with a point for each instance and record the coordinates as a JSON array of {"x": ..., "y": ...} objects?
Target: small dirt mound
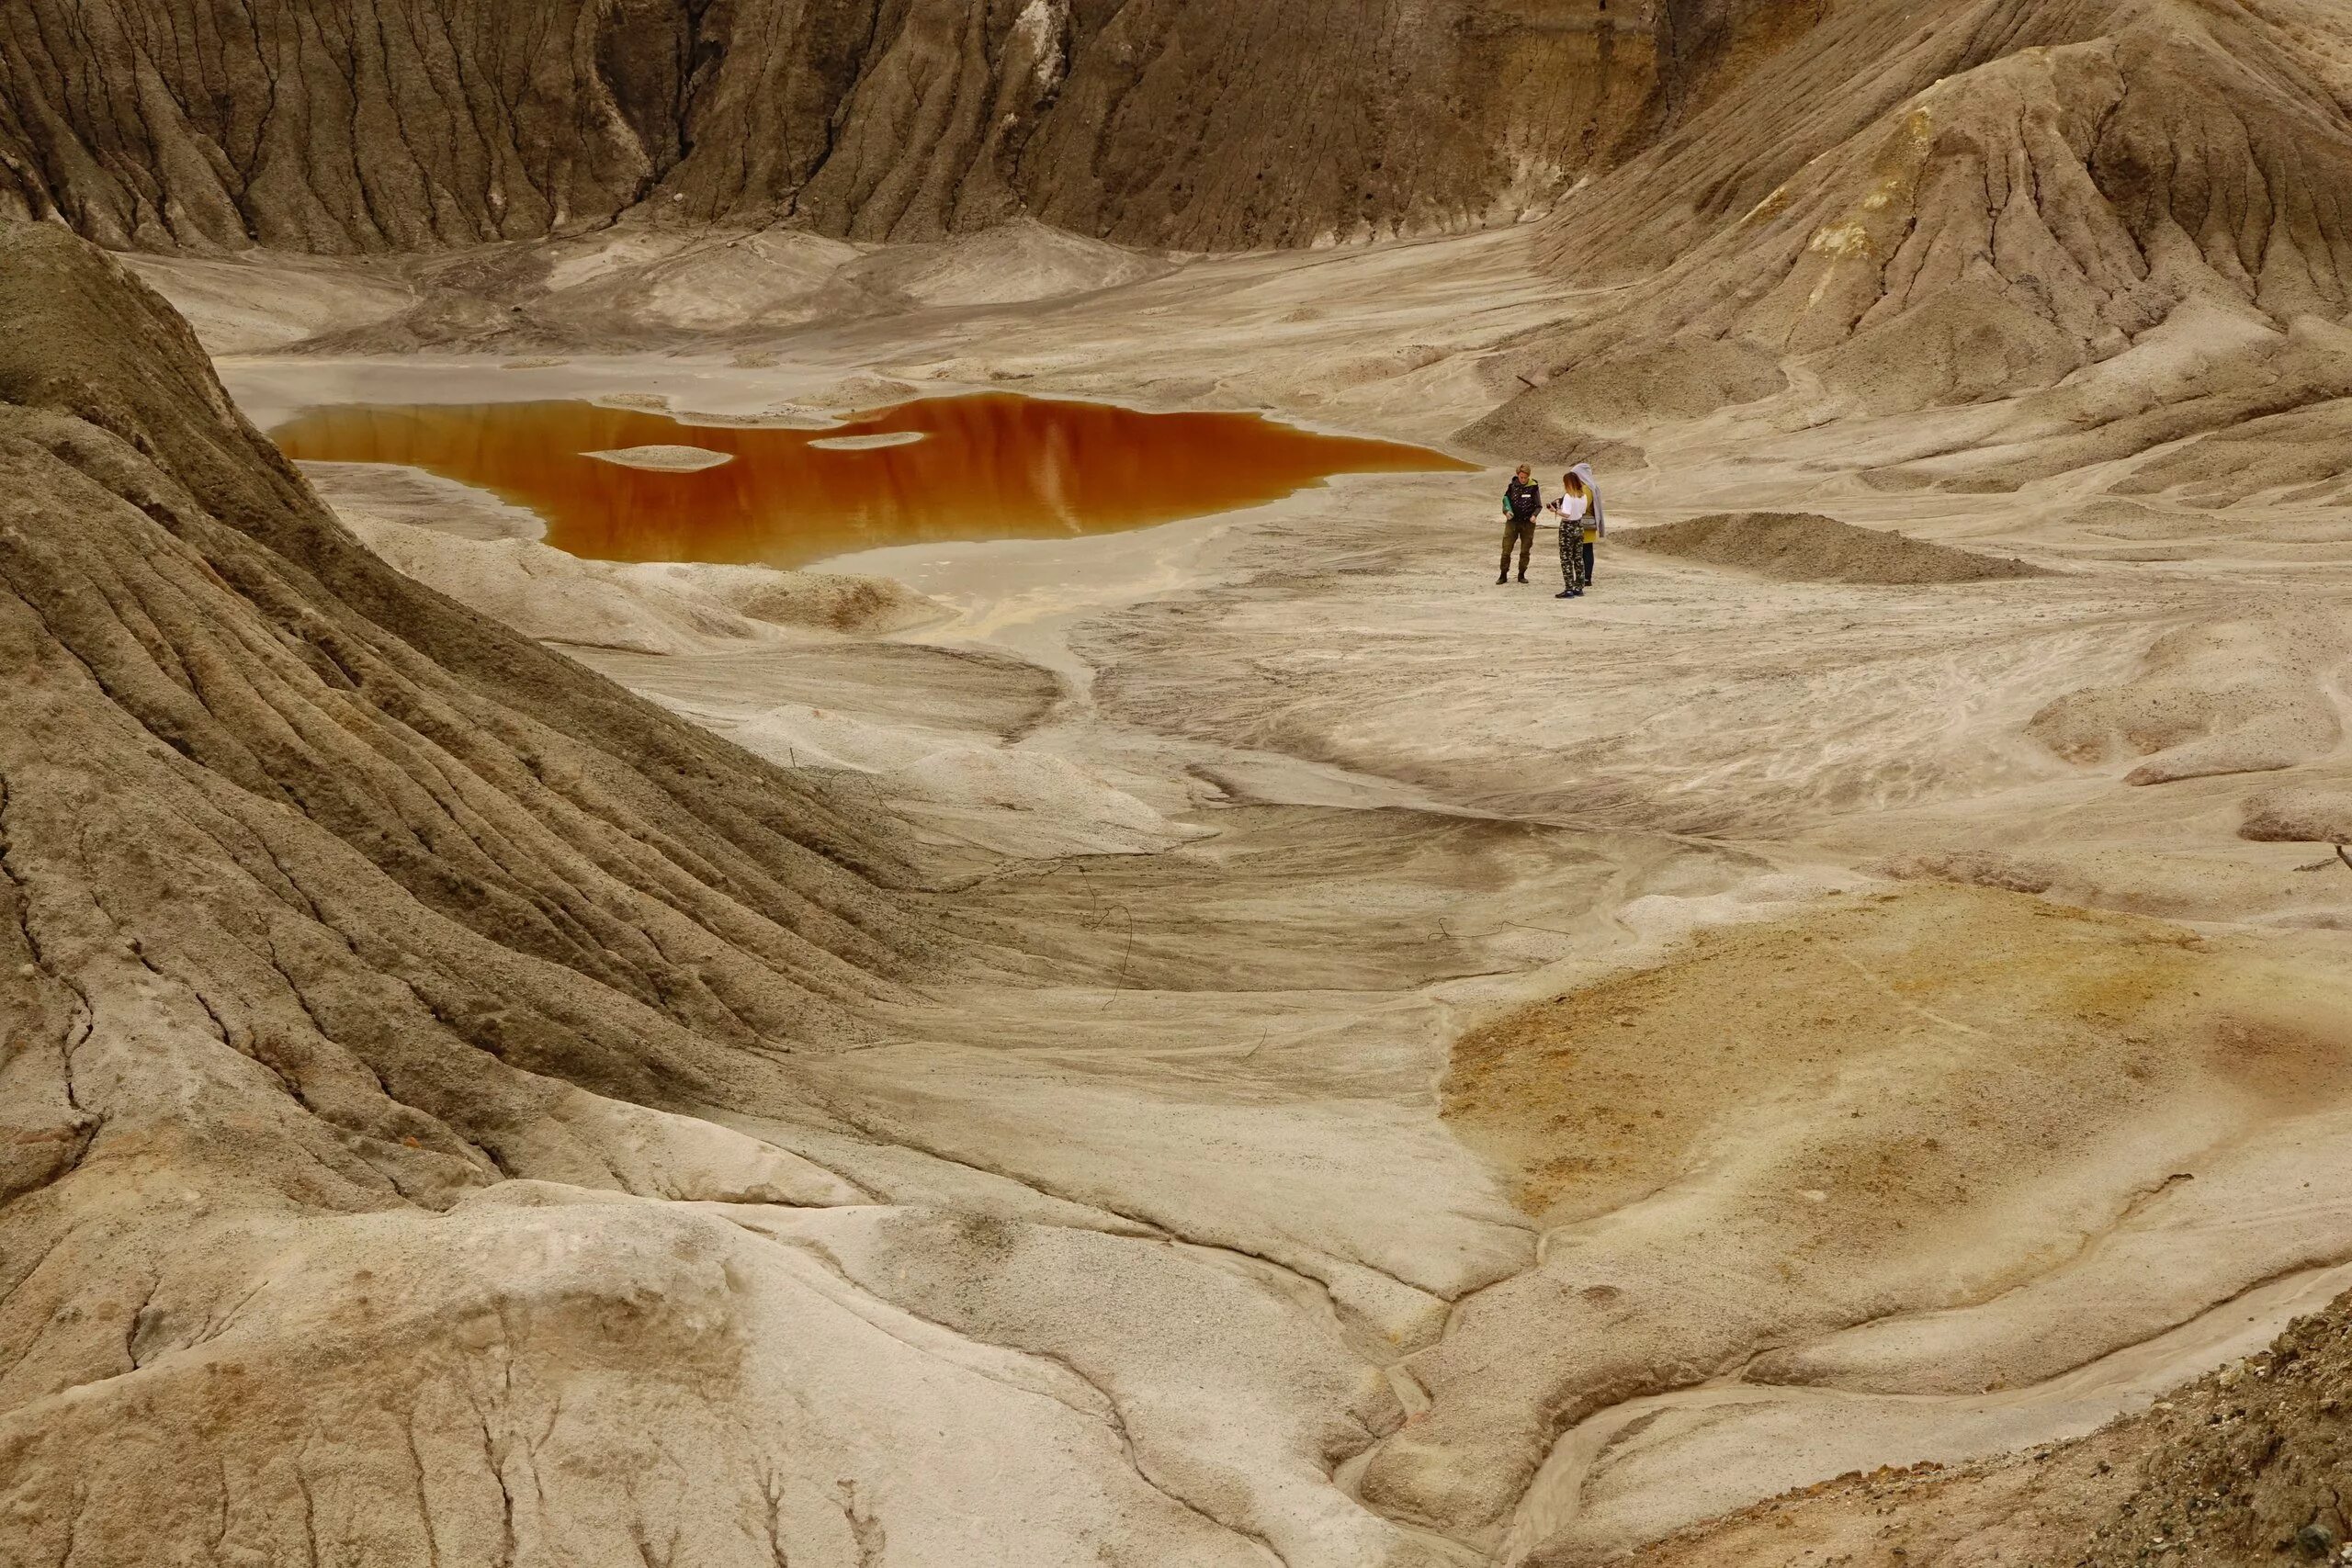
[
  {"x": 1529, "y": 430},
  {"x": 1804, "y": 546}
]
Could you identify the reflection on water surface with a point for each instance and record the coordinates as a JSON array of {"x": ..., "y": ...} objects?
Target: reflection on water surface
[{"x": 987, "y": 466}]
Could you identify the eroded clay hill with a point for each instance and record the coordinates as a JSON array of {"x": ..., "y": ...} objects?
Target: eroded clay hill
[
  {"x": 367, "y": 125},
  {"x": 328, "y": 908},
  {"x": 2123, "y": 220}
]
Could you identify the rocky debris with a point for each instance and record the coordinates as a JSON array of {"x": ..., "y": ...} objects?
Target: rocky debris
[
  {"x": 1804, "y": 546},
  {"x": 2246, "y": 1465},
  {"x": 365, "y": 126}
]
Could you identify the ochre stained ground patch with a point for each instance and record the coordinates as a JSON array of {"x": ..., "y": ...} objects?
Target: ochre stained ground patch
[{"x": 1913, "y": 1050}]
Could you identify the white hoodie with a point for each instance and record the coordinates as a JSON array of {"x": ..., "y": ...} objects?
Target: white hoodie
[{"x": 1574, "y": 507}]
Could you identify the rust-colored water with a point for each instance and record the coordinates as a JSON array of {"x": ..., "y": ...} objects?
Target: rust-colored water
[{"x": 990, "y": 465}]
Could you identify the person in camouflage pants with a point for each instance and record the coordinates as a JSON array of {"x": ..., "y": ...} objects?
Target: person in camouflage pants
[{"x": 1578, "y": 510}]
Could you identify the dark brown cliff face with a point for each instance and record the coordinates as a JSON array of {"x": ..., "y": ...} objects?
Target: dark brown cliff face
[
  {"x": 373, "y": 125},
  {"x": 1705, "y": 46}
]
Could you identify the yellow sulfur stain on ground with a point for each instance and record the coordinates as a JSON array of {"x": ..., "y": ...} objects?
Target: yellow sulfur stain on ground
[{"x": 1899, "y": 1054}]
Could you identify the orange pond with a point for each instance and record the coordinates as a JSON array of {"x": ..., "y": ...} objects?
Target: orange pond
[{"x": 991, "y": 465}]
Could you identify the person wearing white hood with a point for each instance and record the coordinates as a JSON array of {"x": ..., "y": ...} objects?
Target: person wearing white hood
[{"x": 1582, "y": 522}]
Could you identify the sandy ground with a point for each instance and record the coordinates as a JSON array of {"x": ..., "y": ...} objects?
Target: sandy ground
[
  {"x": 1676, "y": 1046},
  {"x": 665, "y": 457}
]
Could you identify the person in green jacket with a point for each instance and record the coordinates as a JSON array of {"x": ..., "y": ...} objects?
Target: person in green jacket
[{"x": 1522, "y": 504}]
